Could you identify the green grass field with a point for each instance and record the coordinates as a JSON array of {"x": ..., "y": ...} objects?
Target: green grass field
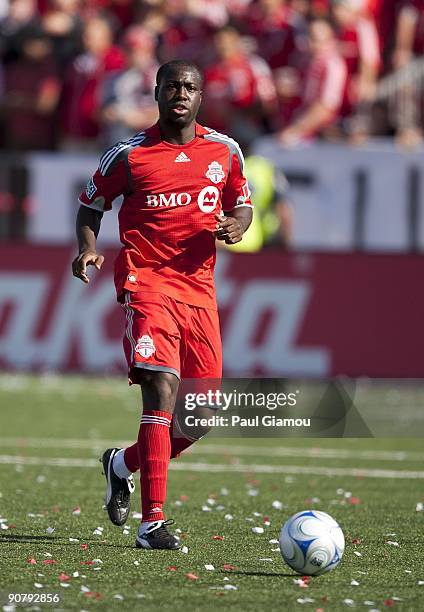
[{"x": 53, "y": 430}]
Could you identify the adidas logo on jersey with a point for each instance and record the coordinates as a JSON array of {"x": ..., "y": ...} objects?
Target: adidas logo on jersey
[{"x": 182, "y": 157}]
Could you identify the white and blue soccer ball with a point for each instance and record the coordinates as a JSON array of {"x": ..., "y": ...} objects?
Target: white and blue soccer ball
[{"x": 312, "y": 542}]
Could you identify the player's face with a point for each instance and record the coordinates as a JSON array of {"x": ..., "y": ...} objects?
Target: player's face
[{"x": 179, "y": 95}]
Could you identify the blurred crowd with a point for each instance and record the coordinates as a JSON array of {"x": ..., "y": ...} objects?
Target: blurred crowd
[{"x": 80, "y": 74}]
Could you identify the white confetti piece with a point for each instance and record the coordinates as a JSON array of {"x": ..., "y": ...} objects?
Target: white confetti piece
[
  {"x": 98, "y": 561},
  {"x": 397, "y": 598},
  {"x": 266, "y": 559},
  {"x": 9, "y": 608},
  {"x": 50, "y": 529},
  {"x": 137, "y": 515},
  {"x": 65, "y": 585},
  {"x": 340, "y": 491},
  {"x": 178, "y": 503},
  {"x": 408, "y": 571},
  {"x": 206, "y": 509},
  {"x": 209, "y": 567},
  {"x": 257, "y": 529},
  {"x": 257, "y": 514},
  {"x": 252, "y": 492},
  {"x": 249, "y": 519},
  {"x": 315, "y": 500},
  {"x": 211, "y": 501},
  {"x": 41, "y": 478},
  {"x": 225, "y": 579},
  {"x": 224, "y": 491},
  {"x": 76, "y": 511},
  {"x": 354, "y": 583},
  {"x": 228, "y": 517},
  {"x": 4, "y": 527},
  {"x": 118, "y": 596},
  {"x": 347, "y": 494},
  {"x": 230, "y": 587},
  {"x": 220, "y": 508},
  {"x": 47, "y": 554},
  {"x": 96, "y": 569},
  {"x": 419, "y": 507},
  {"x": 390, "y": 534},
  {"x": 178, "y": 530},
  {"x": 391, "y": 543},
  {"x": 273, "y": 541},
  {"x": 75, "y": 574},
  {"x": 40, "y": 575},
  {"x": 3, "y": 520},
  {"x": 136, "y": 562},
  {"x": 369, "y": 603},
  {"x": 349, "y": 602},
  {"x": 74, "y": 540},
  {"x": 97, "y": 532},
  {"x": 84, "y": 589},
  {"x": 357, "y": 553},
  {"x": 420, "y": 582},
  {"x": 140, "y": 595},
  {"x": 38, "y": 585},
  {"x": 277, "y": 505},
  {"x": 303, "y": 600},
  {"x": 275, "y": 550},
  {"x": 374, "y": 610},
  {"x": 184, "y": 550}
]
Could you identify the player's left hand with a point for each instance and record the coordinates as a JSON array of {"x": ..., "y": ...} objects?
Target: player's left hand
[{"x": 228, "y": 229}]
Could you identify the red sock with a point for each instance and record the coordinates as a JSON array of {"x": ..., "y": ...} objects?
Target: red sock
[
  {"x": 131, "y": 457},
  {"x": 154, "y": 451}
]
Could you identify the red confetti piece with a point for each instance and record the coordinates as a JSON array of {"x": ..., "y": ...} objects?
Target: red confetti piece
[
  {"x": 218, "y": 537},
  {"x": 55, "y": 509},
  {"x": 84, "y": 546},
  {"x": 267, "y": 519},
  {"x": 49, "y": 561},
  {"x": 319, "y": 610},
  {"x": 92, "y": 595},
  {"x": 389, "y": 603},
  {"x": 356, "y": 541},
  {"x": 172, "y": 568},
  {"x": 184, "y": 498},
  {"x": 86, "y": 563},
  {"x": 354, "y": 501},
  {"x": 12, "y": 526},
  {"x": 228, "y": 567},
  {"x": 64, "y": 577},
  {"x": 305, "y": 579},
  {"x": 191, "y": 576},
  {"x": 32, "y": 561}
]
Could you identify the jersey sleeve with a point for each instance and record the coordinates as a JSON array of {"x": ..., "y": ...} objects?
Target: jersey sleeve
[
  {"x": 236, "y": 191},
  {"x": 102, "y": 189}
]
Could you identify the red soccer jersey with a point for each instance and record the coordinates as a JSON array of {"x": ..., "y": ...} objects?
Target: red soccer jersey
[{"x": 167, "y": 219}]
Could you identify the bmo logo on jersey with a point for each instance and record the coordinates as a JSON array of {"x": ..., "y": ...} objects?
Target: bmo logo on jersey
[
  {"x": 161, "y": 200},
  {"x": 208, "y": 198}
]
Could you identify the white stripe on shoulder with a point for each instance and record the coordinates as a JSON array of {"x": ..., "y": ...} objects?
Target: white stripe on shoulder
[
  {"x": 230, "y": 142},
  {"x": 110, "y": 155}
]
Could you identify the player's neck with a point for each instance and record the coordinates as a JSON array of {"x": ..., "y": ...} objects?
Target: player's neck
[{"x": 176, "y": 135}]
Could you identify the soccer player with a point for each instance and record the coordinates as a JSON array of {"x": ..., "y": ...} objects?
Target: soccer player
[{"x": 183, "y": 187}]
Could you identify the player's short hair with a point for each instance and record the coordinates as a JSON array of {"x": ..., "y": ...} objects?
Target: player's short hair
[{"x": 175, "y": 64}]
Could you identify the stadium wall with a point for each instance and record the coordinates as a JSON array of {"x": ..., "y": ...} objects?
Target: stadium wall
[{"x": 300, "y": 314}]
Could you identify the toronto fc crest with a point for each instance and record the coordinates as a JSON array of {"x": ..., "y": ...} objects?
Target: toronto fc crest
[
  {"x": 215, "y": 173},
  {"x": 145, "y": 346}
]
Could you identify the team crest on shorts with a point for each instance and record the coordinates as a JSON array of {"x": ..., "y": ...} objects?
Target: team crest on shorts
[
  {"x": 145, "y": 346},
  {"x": 91, "y": 189},
  {"x": 215, "y": 173}
]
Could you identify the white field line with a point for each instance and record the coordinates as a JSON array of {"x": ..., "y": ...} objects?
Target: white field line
[
  {"x": 216, "y": 449},
  {"x": 218, "y": 468}
]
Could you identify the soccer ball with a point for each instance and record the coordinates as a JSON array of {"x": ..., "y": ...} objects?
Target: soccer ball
[{"x": 312, "y": 542}]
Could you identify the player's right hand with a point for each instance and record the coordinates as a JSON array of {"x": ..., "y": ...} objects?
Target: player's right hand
[{"x": 80, "y": 263}]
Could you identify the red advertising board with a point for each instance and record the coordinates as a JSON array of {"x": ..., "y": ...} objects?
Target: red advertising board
[{"x": 282, "y": 314}]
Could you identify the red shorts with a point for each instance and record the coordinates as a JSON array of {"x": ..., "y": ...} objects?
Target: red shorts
[{"x": 165, "y": 335}]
